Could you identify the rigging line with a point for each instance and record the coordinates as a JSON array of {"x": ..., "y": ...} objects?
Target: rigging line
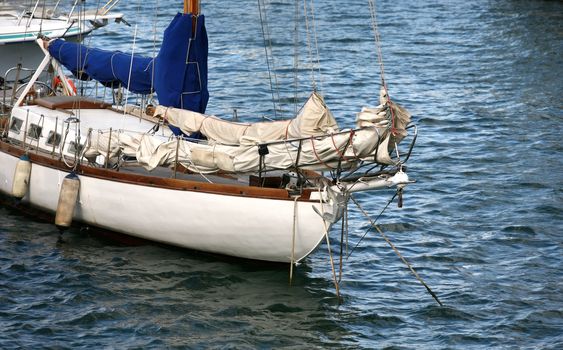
[
  {"x": 316, "y": 44},
  {"x": 307, "y": 31},
  {"x": 129, "y": 77},
  {"x": 42, "y": 16},
  {"x": 369, "y": 228},
  {"x": 373, "y": 14},
  {"x": 95, "y": 18},
  {"x": 89, "y": 39},
  {"x": 377, "y": 42},
  {"x": 397, "y": 252},
  {"x": 296, "y": 58},
  {"x": 154, "y": 44},
  {"x": 271, "y": 46},
  {"x": 262, "y": 11},
  {"x": 76, "y": 102}
]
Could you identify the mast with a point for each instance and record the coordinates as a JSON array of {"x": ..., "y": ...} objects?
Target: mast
[{"x": 191, "y": 6}]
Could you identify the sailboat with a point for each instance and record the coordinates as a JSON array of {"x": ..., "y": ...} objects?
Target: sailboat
[
  {"x": 173, "y": 174},
  {"x": 21, "y": 25}
]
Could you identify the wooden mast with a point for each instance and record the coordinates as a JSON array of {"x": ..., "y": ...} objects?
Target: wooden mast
[{"x": 191, "y": 6}]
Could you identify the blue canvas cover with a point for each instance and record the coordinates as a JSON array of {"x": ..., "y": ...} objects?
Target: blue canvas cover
[
  {"x": 180, "y": 68},
  {"x": 181, "y": 65},
  {"x": 110, "y": 68}
]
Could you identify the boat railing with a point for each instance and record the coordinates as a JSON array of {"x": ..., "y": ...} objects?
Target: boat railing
[
  {"x": 11, "y": 84},
  {"x": 343, "y": 169},
  {"x": 339, "y": 166}
]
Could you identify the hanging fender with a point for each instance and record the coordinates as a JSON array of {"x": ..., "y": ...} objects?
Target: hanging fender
[{"x": 67, "y": 201}]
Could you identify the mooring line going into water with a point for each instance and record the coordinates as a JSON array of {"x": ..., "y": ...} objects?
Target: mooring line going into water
[
  {"x": 293, "y": 239},
  {"x": 374, "y": 221},
  {"x": 336, "y": 285},
  {"x": 396, "y": 251}
]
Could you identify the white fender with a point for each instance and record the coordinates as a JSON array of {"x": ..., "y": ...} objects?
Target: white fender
[
  {"x": 22, "y": 173},
  {"x": 67, "y": 200}
]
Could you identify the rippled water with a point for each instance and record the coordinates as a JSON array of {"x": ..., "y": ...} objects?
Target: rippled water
[{"x": 482, "y": 226}]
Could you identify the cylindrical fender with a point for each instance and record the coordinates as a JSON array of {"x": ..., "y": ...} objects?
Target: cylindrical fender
[
  {"x": 22, "y": 174},
  {"x": 67, "y": 200}
]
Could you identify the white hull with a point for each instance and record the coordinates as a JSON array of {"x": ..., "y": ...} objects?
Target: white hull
[
  {"x": 246, "y": 227},
  {"x": 226, "y": 217}
]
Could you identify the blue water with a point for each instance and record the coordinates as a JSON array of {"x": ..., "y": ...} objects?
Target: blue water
[{"x": 482, "y": 225}]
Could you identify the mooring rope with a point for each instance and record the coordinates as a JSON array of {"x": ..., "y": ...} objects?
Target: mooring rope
[
  {"x": 336, "y": 285},
  {"x": 369, "y": 228},
  {"x": 396, "y": 251},
  {"x": 343, "y": 234},
  {"x": 294, "y": 231}
]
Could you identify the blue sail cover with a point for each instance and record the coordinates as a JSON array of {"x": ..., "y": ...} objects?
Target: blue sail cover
[
  {"x": 181, "y": 65},
  {"x": 110, "y": 68},
  {"x": 180, "y": 68}
]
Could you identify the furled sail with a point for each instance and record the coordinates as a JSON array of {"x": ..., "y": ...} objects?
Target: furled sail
[
  {"x": 314, "y": 118},
  {"x": 178, "y": 74},
  {"x": 310, "y": 140}
]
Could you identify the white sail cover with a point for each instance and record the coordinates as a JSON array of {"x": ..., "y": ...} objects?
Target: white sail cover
[
  {"x": 314, "y": 118},
  {"x": 311, "y": 140},
  {"x": 325, "y": 153}
]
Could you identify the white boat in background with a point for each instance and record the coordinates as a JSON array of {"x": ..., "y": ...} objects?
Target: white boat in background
[
  {"x": 21, "y": 25},
  {"x": 249, "y": 190}
]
